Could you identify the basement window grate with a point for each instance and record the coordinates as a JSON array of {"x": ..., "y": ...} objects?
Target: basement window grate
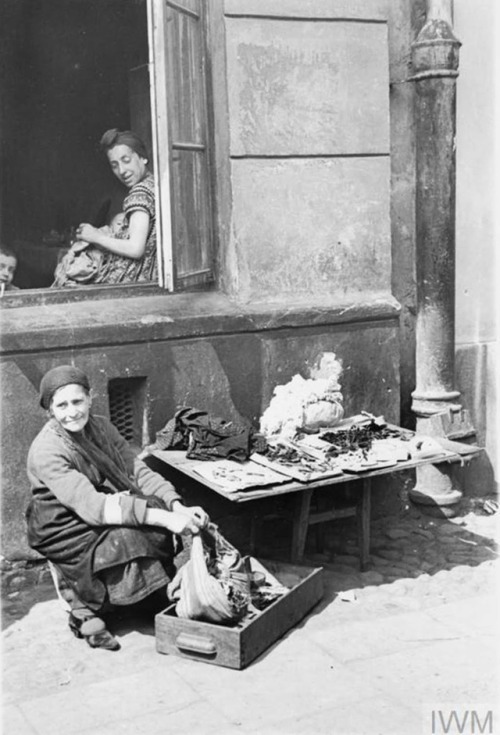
[{"x": 126, "y": 398}]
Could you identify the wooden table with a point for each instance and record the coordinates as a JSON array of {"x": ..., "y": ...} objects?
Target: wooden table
[{"x": 303, "y": 518}]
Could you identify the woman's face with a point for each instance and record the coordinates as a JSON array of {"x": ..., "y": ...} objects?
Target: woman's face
[
  {"x": 70, "y": 406},
  {"x": 127, "y": 165}
]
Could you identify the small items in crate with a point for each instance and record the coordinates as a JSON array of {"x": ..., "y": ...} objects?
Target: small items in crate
[
  {"x": 266, "y": 593},
  {"x": 218, "y": 585}
]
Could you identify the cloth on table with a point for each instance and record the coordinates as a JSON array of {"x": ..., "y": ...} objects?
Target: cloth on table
[{"x": 207, "y": 437}]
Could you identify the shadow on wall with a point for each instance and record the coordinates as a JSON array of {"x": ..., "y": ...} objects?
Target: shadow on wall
[
  {"x": 477, "y": 478},
  {"x": 243, "y": 369}
]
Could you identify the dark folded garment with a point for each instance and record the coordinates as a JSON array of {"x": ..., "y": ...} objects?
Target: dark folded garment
[{"x": 205, "y": 436}]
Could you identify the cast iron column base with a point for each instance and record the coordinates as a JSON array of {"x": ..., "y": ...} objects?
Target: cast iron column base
[{"x": 437, "y": 490}]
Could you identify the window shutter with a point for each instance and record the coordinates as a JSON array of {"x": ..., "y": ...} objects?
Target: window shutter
[{"x": 190, "y": 191}]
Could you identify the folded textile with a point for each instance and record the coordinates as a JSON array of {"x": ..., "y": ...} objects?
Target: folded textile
[{"x": 206, "y": 437}]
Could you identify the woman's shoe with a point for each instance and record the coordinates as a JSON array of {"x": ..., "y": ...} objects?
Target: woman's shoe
[
  {"x": 104, "y": 639},
  {"x": 94, "y": 631}
]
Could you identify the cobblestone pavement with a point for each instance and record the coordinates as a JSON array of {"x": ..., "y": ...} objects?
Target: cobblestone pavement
[{"x": 415, "y": 562}]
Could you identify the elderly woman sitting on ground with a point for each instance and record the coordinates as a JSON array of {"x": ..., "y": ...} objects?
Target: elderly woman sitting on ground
[{"x": 99, "y": 514}]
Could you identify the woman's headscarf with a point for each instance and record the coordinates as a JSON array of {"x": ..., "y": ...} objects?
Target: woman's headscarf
[
  {"x": 57, "y": 378},
  {"x": 114, "y": 137}
]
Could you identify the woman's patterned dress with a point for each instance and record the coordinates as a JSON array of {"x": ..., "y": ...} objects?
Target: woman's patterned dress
[{"x": 120, "y": 269}]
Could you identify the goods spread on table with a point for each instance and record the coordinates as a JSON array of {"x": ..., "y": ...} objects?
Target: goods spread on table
[
  {"x": 303, "y": 437},
  {"x": 240, "y": 458},
  {"x": 355, "y": 446}
]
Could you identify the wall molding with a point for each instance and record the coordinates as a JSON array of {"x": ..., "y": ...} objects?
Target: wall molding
[{"x": 175, "y": 317}]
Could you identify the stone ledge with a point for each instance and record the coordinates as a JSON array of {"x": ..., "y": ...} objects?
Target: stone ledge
[{"x": 160, "y": 317}]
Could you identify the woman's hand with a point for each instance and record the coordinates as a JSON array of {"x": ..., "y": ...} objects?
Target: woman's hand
[
  {"x": 88, "y": 233},
  {"x": 195, "y": 513},
  {"x": 134, "y": 246},
  {"x": 181, "y": 523},
  {"x": 174, "y": 520}
]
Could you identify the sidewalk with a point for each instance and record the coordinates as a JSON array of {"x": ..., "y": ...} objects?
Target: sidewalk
[{"x": 400, "y": 649}]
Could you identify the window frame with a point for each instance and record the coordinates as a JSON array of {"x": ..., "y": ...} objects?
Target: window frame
[
  {"x": 162, "y": 155},
  {"x": 156, "y": 18}
]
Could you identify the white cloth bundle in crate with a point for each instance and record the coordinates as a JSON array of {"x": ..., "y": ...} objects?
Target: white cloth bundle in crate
[{"x": 213, "y": 584}]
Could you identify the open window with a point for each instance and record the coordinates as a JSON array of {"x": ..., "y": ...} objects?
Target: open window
[{"x": 74, "y": 69}]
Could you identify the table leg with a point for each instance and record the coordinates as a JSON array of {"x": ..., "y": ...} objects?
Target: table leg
[
  {"x": 300, "y": 524},
  {"x": 363, "y": 517}
]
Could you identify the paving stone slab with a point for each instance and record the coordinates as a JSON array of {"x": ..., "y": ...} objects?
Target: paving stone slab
[
  {"x": 424, "y": 533},
  {"x": 295, "y": 679},
  {"x": 395, "y": 570},
  {"x": 478, "y": 616},
  {"x": 378, "y": 560},
  {"x": 378, "y": 716},
  {"x": 458, "y": 558},
  {"x": 372, "y": 577},
  {"x": 455, "y": 672},
  {"x": 197, "y": 717},
  {"x": 451, "y": 529},
  {"x": 377, "y": 638},
  {"x": 124, "y": 698},
  {"x": 390, "y": 554},
  {"x": 397, "y": 533},
  {"x": 13, "y": 722},
  {"x": 349, "y": 559}
]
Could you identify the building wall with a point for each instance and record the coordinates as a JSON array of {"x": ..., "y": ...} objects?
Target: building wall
[
  {"x": 304, "y": 173},
  {"x": 309, "y": 145},
  {"x": 476, "y": 238},
  {"x": 199, "y": 350}
]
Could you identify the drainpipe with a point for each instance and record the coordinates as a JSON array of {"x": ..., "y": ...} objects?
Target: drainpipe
[{"x": 435, "y": 400}]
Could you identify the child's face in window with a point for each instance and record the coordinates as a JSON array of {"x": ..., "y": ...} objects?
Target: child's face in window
[{"x": 7, "y": 268}]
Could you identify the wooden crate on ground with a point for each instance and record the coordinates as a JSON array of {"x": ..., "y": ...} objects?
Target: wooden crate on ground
[{"x": 239, "y": 645}]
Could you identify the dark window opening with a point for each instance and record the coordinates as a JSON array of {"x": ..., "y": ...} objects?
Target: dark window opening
[{"x": 71, "y": 73}]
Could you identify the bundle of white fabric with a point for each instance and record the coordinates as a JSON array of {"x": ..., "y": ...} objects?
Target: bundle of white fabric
[
  {"x": 213, "y": 584},
  {"x": 305, "y": 404}
]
